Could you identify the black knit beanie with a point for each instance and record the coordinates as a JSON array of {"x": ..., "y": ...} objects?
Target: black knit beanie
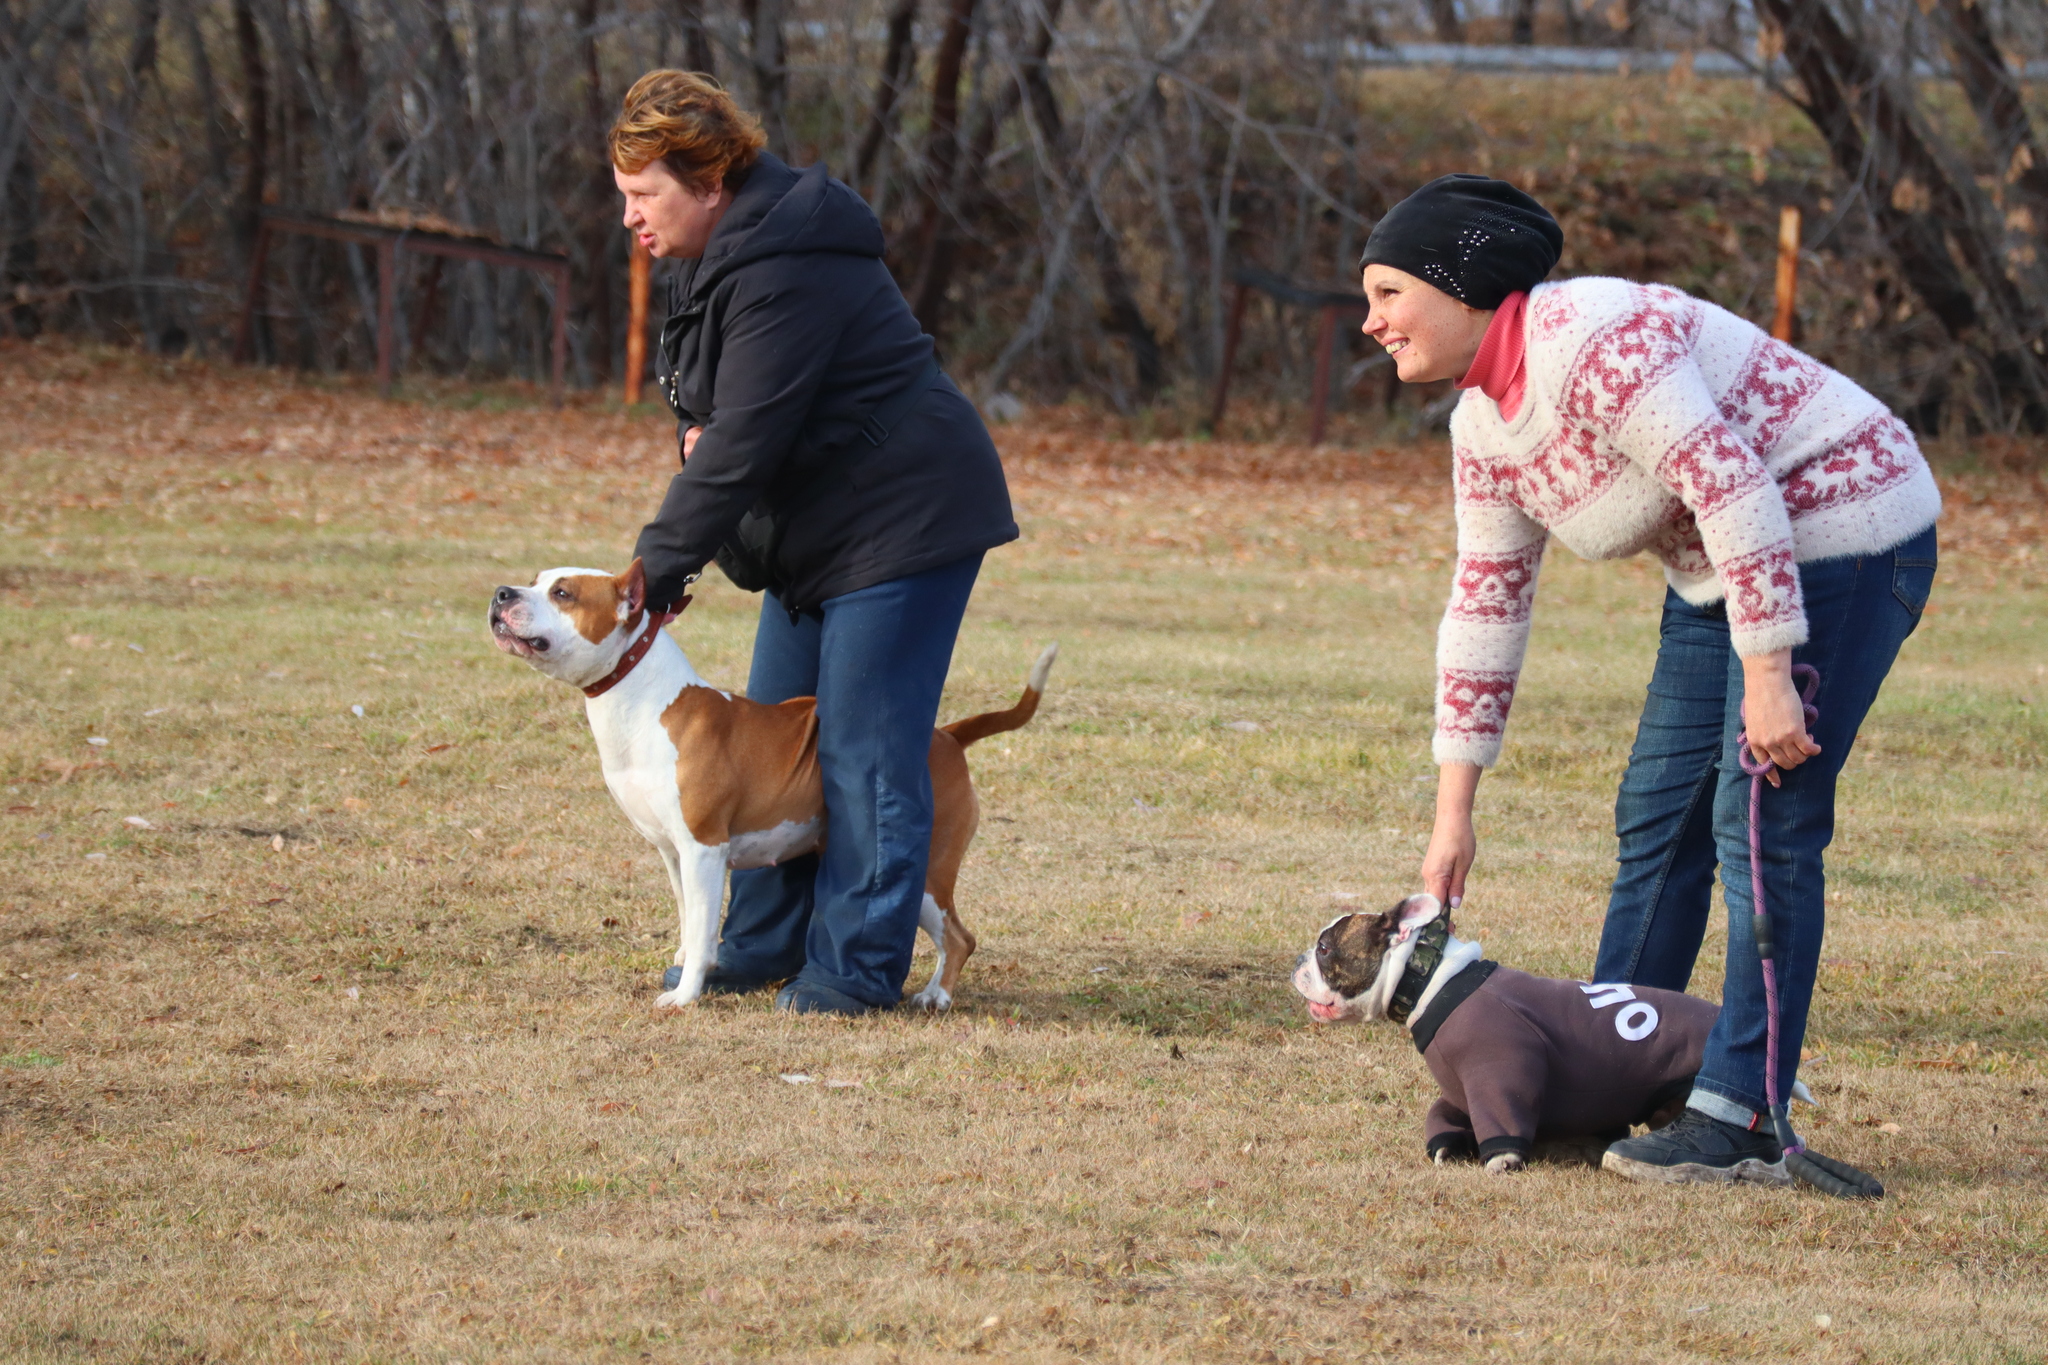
[{"x": 1476, "y": 238}]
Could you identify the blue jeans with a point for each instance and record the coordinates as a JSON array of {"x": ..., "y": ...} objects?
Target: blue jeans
[
  {"x": 1684, "y": 810},
  {"x": 876, "y": 660}
]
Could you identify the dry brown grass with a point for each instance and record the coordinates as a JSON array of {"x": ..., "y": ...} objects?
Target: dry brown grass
[{"x": 349, "y": 1056}]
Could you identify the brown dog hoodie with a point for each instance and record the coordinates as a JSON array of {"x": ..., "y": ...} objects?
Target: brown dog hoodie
[{"x": 1520, "y": 1057}]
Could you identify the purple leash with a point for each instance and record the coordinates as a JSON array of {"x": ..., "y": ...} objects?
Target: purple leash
[{"x": 1823, "y": 1173}]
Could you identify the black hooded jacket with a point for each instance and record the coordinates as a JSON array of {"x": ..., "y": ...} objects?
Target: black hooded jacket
[{"x": 781, "y": 341}]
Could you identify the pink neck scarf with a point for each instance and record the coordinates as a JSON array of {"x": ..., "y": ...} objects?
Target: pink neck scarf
[{"x": 1498, "y": 370}]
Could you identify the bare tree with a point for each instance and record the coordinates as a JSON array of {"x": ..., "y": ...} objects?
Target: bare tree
[
  {"x": 1450, "y": 25},
  {"x": 697, "y": 53},
  {"x": 1067, "y": 189},
  {"x": 768, "y": 65},
  {"x": 25, "y": 29},
  {"x": 1880, "y": 145},
  {"x": 934, "y": 247},
  {"x": 1994, "y": 94},
  {"x": 898, "y": 56},
  {"x": 600, "y": 233}
]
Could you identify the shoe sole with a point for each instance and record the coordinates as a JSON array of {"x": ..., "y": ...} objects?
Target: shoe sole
[{"x": 1749, "y": 1171}]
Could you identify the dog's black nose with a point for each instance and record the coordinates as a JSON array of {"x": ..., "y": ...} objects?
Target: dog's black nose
[{"x": 504, "y": 596}]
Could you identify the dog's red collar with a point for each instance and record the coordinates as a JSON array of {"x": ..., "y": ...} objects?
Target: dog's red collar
[{"x": 636, "y": 651}]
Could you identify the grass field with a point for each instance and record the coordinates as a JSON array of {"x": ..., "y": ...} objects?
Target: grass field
[{"x": 328, "y": 1036}]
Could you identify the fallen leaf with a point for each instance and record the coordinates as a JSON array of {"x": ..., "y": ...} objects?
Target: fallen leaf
[
  {"x": 354, "y": 803},
  {"x": 1889, "y": 1128},
  {"x": 136, "y": 822},
  {"x": 437, "y": 748},
  {"x": 796, "y": 1078},
  {"x": 841, "y": 1085},
  {"x": 277, "y": 843},
  {"x": 98, "y": 741}
]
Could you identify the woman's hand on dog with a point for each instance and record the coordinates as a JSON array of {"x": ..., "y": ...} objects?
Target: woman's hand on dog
[
  {"x": 1452, "y": 846},
  {"x": 1773, "y": 714}
]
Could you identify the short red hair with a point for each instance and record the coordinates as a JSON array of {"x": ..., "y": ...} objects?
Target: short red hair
[{"x": 686, "y": 121}]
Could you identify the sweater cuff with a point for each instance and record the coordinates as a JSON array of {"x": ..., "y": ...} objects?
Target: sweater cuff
[
  {"x": 1768, "y": 639},
  {"x": 1481, "y": 750}
]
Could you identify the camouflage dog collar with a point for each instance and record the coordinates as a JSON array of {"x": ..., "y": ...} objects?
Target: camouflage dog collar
[{"x": 1430, "y": 940}]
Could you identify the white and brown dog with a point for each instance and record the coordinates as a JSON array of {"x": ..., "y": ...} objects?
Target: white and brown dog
[
  {"x": 1518, "y": 1058},
  {"x": 715, "y": 781}
]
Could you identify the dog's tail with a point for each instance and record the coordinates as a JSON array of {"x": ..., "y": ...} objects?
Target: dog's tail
[{"x": 1017, "y": 717}]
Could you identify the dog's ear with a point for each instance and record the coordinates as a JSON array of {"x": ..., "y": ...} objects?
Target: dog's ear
[
  {"x": 632, "y": 589},
  {"x": 1412, "y": 913}
]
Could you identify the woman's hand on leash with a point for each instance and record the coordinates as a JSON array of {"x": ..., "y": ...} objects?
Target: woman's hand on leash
[
  {"x": 1453, "y": 846},
  {"x": 690, "y": 442},
  {"x": 1773, "y": 715}
]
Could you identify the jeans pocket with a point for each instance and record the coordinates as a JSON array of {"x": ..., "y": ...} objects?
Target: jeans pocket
[{"x": 1912, "y": 582}]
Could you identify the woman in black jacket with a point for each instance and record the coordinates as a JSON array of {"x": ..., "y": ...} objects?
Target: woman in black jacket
[{"x": 827, "y": 460}]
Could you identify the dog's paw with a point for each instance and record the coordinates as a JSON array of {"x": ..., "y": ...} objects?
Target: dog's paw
[
  {"x": 1502, "y": 1162},
  {"x": 932, "y": 997},
  {"x": 675, "y": 1000}
]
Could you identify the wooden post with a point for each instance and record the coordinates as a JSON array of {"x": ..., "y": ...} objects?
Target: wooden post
[
  {"x": 387, "y": 308},
  {"x": 430, "y": 304},
  {"x": 561, "y": 320},
  {"x": 1788, "y": 272},
  {"x": 1319, "y": 404},
  {"x": 1231, "y": 333},
  {"x": 636, "y": 321},
  {"x": 245, "y": 326}
]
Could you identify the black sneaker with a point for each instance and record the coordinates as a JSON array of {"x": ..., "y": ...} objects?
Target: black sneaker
[
  {"x": 718, "y": 981},
  {"x": 1699, "y": 1149},
  {"x": 809, "y": 997}
]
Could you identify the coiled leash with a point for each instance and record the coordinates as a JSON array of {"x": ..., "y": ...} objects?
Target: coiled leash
[{"x": 1825, "y": 1174}]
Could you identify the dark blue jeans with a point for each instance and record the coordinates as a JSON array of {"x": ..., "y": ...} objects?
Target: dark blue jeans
[
  {"x": 1684, "y": 811},
  {"x": 876, "y": 660}
]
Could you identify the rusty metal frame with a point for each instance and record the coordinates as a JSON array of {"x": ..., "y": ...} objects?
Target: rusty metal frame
[
  {"x": 388, "y": 242},
  {"x": 1330, "y": 304}
]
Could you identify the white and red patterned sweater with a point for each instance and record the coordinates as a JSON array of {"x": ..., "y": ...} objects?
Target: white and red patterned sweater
[{"x": 1656, "y": 421}]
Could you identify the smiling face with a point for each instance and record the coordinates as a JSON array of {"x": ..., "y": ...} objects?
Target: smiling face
[
  {"x": 1429, "y": 334},
  {"x": 572, "y": 624},
  {"x": 672, "y": 220}
]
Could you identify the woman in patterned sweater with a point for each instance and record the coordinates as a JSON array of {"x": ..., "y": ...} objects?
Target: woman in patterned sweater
[{"x": 1794, "y": 517}]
